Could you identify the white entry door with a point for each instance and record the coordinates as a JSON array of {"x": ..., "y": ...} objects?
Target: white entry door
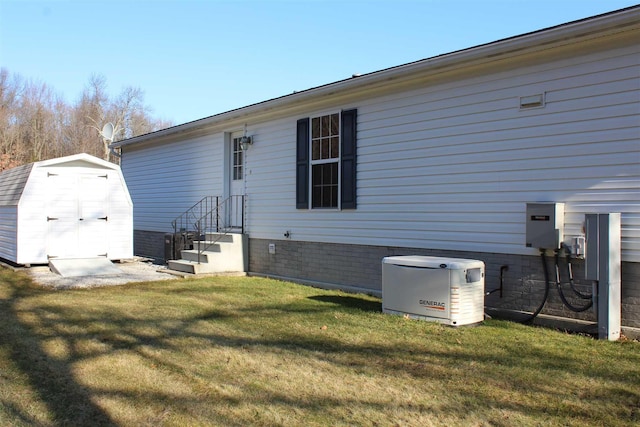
[
  {"x": 237, "y": 171},
  {"x": 77, "y": 215}
]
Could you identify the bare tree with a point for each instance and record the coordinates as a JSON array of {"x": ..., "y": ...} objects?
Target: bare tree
[
  {"x": 9, "y": 139},
  {"x": 38, "y": 121},
  {"x": 127, "y": 113},
  {"x": 37, "y": 124}
]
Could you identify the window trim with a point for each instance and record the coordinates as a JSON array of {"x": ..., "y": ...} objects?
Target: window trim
[{"x": 330, "y": 160}]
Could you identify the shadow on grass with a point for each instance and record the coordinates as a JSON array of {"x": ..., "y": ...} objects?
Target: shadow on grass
[
  {"x": 201, "y": 325},
  {"x": 350, "y": 302},
  {"x": 68, "y": 402}
]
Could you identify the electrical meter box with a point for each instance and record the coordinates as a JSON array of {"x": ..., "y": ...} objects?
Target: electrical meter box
[{"x": 545, "y": 225}]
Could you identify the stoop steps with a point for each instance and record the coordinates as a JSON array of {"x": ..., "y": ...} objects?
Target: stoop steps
[{"x": 224, "y": 253}]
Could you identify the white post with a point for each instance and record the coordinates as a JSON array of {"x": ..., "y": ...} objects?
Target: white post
[{"x": 602, "y": 262}]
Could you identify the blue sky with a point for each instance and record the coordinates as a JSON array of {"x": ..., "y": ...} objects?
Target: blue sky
[{"x": 194, "y": 59}]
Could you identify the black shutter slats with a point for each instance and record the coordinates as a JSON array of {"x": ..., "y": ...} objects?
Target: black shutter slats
[
  {"x": 302, "y": 164},
  {"x": 348, "y": 159}
]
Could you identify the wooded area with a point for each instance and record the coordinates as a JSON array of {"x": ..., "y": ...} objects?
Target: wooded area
[{"x": 37, "y": 124}]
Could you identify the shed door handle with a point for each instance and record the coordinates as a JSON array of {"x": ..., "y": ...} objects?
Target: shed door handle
[{"x": 49, "y": 218}]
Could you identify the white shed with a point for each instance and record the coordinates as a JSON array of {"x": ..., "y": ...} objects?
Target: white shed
[{"x": 70, "y": 207}]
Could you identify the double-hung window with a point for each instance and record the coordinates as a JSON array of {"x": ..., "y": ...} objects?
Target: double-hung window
[{"x": 326, "y": 161}]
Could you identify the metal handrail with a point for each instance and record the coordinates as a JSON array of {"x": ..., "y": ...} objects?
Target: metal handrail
[
  {"x": 186, "y": 219},
  {"x": 208, "y": 215}
]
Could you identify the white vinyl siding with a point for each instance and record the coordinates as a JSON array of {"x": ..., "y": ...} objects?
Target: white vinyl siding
[
  {"x": 8, "y": 232},
  {"x": 165, "y": 180},
  {"x": 452, "y": 165}
]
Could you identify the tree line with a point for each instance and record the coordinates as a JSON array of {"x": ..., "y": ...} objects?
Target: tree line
[{"x": 37, "y": 124}]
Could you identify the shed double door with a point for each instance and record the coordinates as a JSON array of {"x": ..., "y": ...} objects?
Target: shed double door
[{"x": 77, "y": 215}]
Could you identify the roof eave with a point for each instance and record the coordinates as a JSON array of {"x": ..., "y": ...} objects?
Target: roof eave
[{"x": 562, "y": 33}]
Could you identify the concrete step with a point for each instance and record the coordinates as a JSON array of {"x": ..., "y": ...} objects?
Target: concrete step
[
  {"x": 223, "y": 253},
  {"x": 208, "y": 245},
  {"x": 205, "y": 256},
  {"x": 185, "y": 266},
  {"x": 193, "y": 267},
  {"x": 190, "y": 267},
  {"x": 222, "y": 237}
]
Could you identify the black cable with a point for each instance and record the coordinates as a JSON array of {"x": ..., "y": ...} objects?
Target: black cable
[
  {"x": 561, "y": 293},
  {"x": 501, "y": 287},
  {"x": 570, "y": 273},
  {"x": 546, "y": 288}
]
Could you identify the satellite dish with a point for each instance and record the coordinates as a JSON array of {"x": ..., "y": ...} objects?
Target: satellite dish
[{"x": 107, "y": 131}]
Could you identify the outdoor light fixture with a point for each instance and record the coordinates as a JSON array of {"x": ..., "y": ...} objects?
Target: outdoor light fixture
[{"x": 245, "y": 141}]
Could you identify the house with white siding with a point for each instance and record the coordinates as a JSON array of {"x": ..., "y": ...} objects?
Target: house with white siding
[{"x": 436, "y": 157}]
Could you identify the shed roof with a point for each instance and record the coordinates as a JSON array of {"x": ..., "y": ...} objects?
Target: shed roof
[{"x": 12, "y": 183}]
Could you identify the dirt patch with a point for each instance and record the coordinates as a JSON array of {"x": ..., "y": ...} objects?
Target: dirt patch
[{"x": 135, "y": 270}]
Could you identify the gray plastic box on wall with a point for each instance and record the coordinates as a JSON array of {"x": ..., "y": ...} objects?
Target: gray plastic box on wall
[{"x": 544, "y": 225}]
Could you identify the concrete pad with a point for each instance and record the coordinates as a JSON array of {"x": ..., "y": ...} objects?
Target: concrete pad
[{"x": 74, "y": 267}]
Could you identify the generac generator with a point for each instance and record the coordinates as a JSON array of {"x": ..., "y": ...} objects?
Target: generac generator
[{"x": 444, "y": 290}]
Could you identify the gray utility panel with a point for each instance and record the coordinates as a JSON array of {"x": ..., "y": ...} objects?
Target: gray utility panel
[{"x": 545, "y": 225}]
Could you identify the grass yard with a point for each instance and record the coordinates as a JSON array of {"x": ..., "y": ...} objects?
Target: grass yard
[{"x": 236, "y": 351}]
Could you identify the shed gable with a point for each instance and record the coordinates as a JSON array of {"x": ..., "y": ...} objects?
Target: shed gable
[{"x": 81, "y": 160}]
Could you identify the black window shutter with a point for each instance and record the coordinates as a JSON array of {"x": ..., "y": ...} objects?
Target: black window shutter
[
  {"x": 348, "y": 158},
  {"x": 302, "y": 164}
]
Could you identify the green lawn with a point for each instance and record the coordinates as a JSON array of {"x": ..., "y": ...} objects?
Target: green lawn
[{"x": 237, "y": 351}]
